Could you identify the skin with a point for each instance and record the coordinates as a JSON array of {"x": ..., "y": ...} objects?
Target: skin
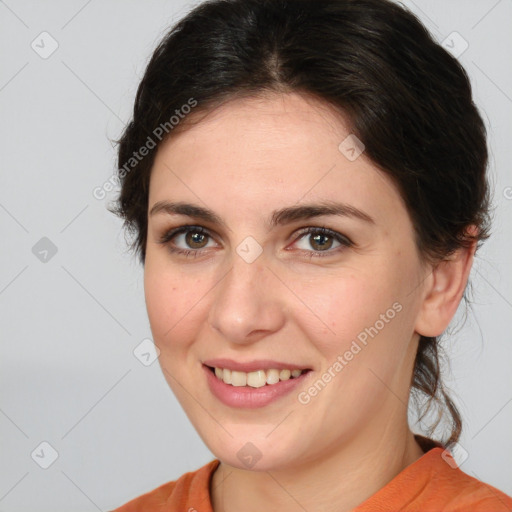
[{"x": 244, "y": 160}]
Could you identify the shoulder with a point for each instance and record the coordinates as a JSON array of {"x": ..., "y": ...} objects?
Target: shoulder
[
  {"x": 463, "y": 492},
  {"x": 434, "y": 483},
  {"x": 191, "y": 490}
]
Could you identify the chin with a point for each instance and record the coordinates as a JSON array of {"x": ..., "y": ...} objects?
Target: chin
[{"x": 253, "y": 453}]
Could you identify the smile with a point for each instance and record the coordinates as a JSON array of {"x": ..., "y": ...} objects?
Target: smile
[
  {"x": 253, "y": 389},
  {"x": 256, "y": 379}
]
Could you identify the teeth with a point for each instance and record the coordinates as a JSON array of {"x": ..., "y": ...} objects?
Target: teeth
[
  {"x": 272, "y": 376},
  {"x": 238, "y": 378},
  {"x": 285, "y": 374},
  {"x": 255, "y": 379}
]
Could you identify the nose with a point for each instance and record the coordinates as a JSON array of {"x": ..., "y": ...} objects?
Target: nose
[{"x": 248, "y": 302}]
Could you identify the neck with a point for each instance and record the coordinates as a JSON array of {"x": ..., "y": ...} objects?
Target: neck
[{"x": 338, "y": 480}]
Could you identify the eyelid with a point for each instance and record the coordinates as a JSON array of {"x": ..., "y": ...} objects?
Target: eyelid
[
  {"x": 340, "y": 237},
  {"x": 168, "y": 235}
]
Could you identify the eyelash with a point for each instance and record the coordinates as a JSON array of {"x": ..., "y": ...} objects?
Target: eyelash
[{"x": 169, "y": 235}]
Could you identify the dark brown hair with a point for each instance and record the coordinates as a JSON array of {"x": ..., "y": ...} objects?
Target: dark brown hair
[{"x": 406, "y": 98}]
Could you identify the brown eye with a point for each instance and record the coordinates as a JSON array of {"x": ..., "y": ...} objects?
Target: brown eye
[
  {"x": 322, "y": 239},
  {"x": 319, "y": 241},
  {"x": 194, "y": 240}
]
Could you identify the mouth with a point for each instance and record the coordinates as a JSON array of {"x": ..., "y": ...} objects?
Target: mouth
[
  {"x": 257, "y": 378},
  {"x": 253, "y": 389}
]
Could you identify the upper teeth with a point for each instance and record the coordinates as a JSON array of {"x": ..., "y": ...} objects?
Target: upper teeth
[{"x": 255, "y": 379}]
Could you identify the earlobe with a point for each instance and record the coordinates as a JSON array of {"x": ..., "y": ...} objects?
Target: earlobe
[{"x": 446, "y": 288}]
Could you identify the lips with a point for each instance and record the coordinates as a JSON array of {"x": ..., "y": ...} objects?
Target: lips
[{"x": 247, "y": 396}]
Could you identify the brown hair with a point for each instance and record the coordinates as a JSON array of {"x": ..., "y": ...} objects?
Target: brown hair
[{"x": 406, "y": 98}]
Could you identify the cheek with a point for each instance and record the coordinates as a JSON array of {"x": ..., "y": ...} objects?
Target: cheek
[
  {"x": 173, "y": 300},
  {"x": 340, "y": 306},
  {"x": 361, "y": 331},
  {"x": 362, "y": 317}
]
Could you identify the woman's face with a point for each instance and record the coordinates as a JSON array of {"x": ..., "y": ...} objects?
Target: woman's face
[{"x": 256, "y": 287}]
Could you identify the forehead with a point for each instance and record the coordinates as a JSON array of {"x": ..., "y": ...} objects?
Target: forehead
[
  {"x": 266, "y": 152},
  {"x": 257, "y": 125}
]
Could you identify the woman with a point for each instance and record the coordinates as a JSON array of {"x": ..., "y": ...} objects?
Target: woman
[{"x": 306, "y": 183}]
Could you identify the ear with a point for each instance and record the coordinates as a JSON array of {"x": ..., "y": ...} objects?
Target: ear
[{"x": 444, "y": 290}]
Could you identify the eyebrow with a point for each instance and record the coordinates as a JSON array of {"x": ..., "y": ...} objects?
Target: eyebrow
[{"x": 281, "y": 217}]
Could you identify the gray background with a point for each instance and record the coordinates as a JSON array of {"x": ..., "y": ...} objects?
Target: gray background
[{"x": 70, "y": 324}]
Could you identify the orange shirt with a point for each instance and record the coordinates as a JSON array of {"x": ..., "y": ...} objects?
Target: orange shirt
[{"x": 429, "y": 484}]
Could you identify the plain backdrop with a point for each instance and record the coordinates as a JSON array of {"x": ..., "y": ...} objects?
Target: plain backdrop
[{"x": 74, "y": 396}]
